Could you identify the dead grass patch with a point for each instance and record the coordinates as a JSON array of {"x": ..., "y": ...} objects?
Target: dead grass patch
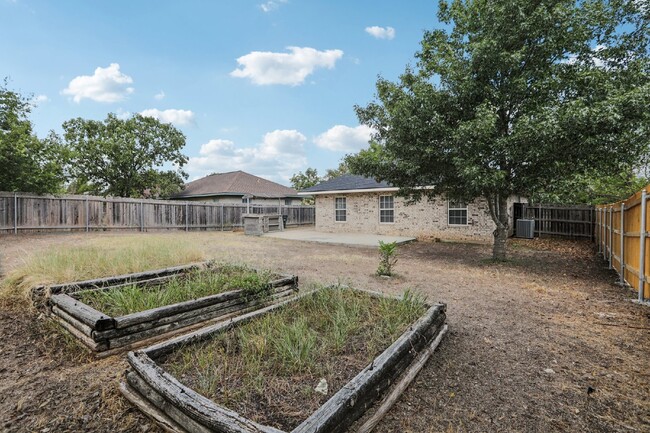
[
  {"x": 268, "y": 368},
  {"x": 96, "y": 258}
]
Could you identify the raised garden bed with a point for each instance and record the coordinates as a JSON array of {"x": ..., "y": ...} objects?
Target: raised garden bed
[
  {"x": 118, "y": 313},
  {"x": 211, "y": 380}
]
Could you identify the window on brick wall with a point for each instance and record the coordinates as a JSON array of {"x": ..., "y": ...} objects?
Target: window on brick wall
[
  {"x": 386, "y": 209},
  {"x": 457, "y": 213},
  {"x": 340, "y": 209}
]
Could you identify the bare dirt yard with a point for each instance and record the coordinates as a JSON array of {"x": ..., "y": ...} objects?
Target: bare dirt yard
[{"x": 544, "y": 342}]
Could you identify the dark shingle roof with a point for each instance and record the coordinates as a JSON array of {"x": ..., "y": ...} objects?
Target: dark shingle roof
[
  {"x": 347, "y": 182},
  {"x": 235, "y": 183}
]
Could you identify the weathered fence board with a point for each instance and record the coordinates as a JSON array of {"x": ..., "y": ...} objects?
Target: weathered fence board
[
  {"x": 573, "y": 221},
  {"x": 25, "y": 212},
  {"x": 622, "y": 236}
]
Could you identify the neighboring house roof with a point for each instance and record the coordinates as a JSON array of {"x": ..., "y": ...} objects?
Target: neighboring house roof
[
  {"x": 237, "y": 183},
  {"x": 348, "y": 183}
]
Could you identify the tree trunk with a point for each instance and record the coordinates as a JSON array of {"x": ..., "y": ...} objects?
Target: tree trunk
[
  {"x": 499, "y": 247},
  {"x": 498, "y": 206}
]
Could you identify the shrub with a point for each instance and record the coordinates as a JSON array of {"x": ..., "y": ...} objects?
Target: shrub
[{"x": 388, "y": 258}]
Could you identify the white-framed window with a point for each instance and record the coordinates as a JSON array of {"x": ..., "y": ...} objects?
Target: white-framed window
[
  {"x": 287, "y": 201},
  {"x": 340, "y": 204},
  {"x": 386, "y": 209},
  {"x": 244, "y": 200},
  {"x": 457, "y": 213}
]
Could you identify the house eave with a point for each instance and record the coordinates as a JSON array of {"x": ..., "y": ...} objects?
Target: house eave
[{"x": 349, "y": 191}]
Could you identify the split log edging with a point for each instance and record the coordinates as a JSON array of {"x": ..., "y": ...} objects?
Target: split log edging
[
  {"x": 103, "y": 333},
  {"x": 181, "y": 409}
]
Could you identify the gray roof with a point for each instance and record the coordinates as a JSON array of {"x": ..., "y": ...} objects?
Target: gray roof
[
  {"x": 347, "y": 182},
  {"x": 235, "y": 183}
]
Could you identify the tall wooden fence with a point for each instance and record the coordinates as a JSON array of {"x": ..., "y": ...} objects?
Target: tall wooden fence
[
  {"x": 622, "y": 237},
  {"x": 572, "y": 221},
  {"x": 24, "y": 212}
]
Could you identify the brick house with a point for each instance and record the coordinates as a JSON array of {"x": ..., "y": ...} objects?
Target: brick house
[
  {"x": 239, "y": 187},
  {"x": 356, "y": 204}
]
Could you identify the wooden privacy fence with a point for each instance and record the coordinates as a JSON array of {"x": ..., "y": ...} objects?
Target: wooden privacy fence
[
  {"x": 573, "y": 221},
  {"x": 24, "y": 212},
  {"x": 622, "y": 237}
]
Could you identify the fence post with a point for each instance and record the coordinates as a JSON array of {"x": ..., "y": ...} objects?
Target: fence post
[
  {"x": 141, "y": 216},
  {"x": 603, "y": 230},
  {"x": 642, "y": 237},
  {"x": 221, "y": 217},
  {"x": 622, "y": 234},
  {"x": 611, "y": 235},
  {"x": 87, "y": 215},
  {"x": 597, "y": 230},
  {"x": 187, "y": 216},
  {"x": 15, "y": 213}
]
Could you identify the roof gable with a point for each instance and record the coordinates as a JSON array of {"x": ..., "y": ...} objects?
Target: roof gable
[{"x": 235, "y": 183}]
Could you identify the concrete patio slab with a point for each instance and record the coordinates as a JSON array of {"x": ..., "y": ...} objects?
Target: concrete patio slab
[{"x": 358, "y": 239}]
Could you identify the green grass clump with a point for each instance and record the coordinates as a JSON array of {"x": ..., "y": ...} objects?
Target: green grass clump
[
  {"x": 314, "y": 336},
  {"x": 194, "y": 285},
  {"x": 95, "y": 259}
]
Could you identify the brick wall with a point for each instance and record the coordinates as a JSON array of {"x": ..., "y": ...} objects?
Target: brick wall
[{"x": 424, "y": 219}]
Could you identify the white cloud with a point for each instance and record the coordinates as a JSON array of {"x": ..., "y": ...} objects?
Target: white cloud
[
  {"x": 291, "y": 68},
  {"x": 40, "y": 99},
  {"x": 280, "y": 154},
  {"x": 105, "y": 85},
  {"x": 381, "y": 32},
  {"x": 218, "y": 146},
  {"x": 341, "y": 138},
  {"x": 177, "y": 117},
  {"x": 159, "y": 96},
  {"x": 122, "y": 114},
  {"x": 272, "y": 5}
]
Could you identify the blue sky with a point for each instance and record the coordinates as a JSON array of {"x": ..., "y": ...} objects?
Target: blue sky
[{"x": 264, "y": 87}]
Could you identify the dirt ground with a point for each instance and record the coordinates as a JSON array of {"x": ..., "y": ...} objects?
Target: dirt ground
[{"x": 543, "y": 342}]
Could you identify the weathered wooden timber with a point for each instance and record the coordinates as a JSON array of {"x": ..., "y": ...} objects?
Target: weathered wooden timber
[
  {"x": 403, "y": 383},
  {"x": 145, "y": 406},
  {"x": 41, "y": 294},
  {"x": 101, "y": 332},
  {"x": 121, "y": 279},
  {"x": 177, "y": 324},
  {"x": 82, "y": 312},
  {"x": 160, "y": 395},
  {"x": 351, "y": 401},
  {"x": 88, "y": 342},
  {"x": 200, "y": 409}
]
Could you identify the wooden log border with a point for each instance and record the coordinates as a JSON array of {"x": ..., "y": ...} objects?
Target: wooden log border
[
  {"x": 103, "y": 333},
  {"x": 168, "y": 402}
]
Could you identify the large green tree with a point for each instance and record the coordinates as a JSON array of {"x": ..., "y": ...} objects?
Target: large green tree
[
  {"x": 309, "y": 178},
  {"x": 27, "y": 163},
  {"x": 126, "y": 157},
  {"x": 512, "y": 98}
]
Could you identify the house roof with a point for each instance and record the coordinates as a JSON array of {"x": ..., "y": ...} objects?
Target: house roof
[
  {"x": 348, "y": 183},
  {"x": 235, "y": 183}
]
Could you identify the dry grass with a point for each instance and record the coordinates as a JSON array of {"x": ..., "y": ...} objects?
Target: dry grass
[
  {"x": 95, "y": 258},
  {"x": 279, "y": 357},
  {"x": 193, "y": 285}
]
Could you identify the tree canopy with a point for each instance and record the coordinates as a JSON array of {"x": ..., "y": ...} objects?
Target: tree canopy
[
  {"x": 28, "y": 163},
  {"x": 310, "y": 177},
  {"x": 126, "y": 157},
  {"x": 516, "y": 97}
]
